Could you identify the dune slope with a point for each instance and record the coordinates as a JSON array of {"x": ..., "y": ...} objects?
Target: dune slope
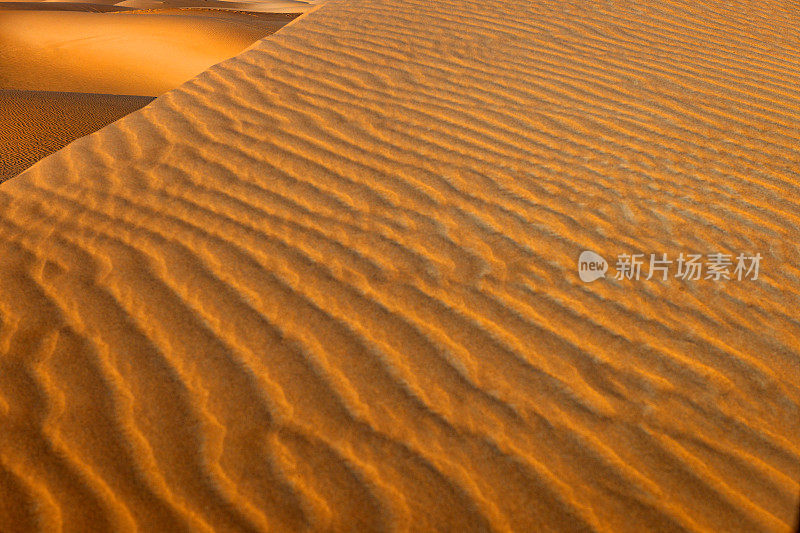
[
  {"x": 125, "y": 52},
  {"x": 34, "y": 124},
  {"x": 55, "y": 57},
  {"x": 331, "y": 284}
]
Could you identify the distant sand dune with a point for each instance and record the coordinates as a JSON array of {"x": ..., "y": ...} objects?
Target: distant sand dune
[
  {"x": 54, "y": 62},
  {"x": 264, "y": 6},
  {"x": 61, "y": 6},
  {"x": 257, "y": 6},
  {"x": 330, "y": 284},
  {"x": 119, "y": 53}
]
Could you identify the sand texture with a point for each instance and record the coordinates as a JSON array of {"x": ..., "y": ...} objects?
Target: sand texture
[
  {"x": 252, "y": 6},
  {"x": 88, "y": 7},
  {"x": 126, "y": 52},
  {"x": 263, "y": 6},
  {"x": 68, "y": 69},
  {"x": 34, "y": 124},
  {"x": 330, "y": 284}
]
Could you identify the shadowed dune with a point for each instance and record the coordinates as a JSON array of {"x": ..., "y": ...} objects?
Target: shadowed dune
[
  {"x": 68, "y": 69},
  {"x": 34, "y": 124},
  {"x": 797, "y": 529},
  {"x": 330, "y": 284}
]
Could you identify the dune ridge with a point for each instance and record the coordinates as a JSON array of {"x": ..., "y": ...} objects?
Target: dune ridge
[
  {"x": 130, "y": 52},
  {"x": 69, "y": 69},
  {"x": 331, "y": 284},
  {"x": 34, "y": 124}
]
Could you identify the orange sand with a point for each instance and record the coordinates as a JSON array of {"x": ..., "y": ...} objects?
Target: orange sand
[
  {"x": 34, "y": 124},
  {"x": 55, "y": 57},
  {"x": 120, "y": 52},
  {"x": 331, "y": 285}
]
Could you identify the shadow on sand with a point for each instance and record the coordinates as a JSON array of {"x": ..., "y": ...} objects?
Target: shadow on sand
[{"x": 797, "y": 522}]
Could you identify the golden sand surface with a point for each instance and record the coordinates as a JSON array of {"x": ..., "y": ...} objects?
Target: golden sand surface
[
  {"x": 34, "y": 124},
  {"x": 250, "y": 6},
  {"x": 331, "y": 284},
  {"x": 61, "y": 6},
  {"x": 128, "y": 52},
  {"x": 68, "y": 69}
]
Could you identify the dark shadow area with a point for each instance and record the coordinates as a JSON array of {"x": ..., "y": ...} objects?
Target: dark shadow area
[
  {"x": 34, "y": 124},
  {"x": 797, "y": 518}
]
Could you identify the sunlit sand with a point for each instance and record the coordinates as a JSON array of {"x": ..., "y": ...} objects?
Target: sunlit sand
[
  {"x": 331, "y": 284},
  {"x": 68, "y": 69}
]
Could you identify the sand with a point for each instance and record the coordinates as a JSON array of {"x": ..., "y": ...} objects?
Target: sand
[
  {"x": 264, "y": 6},
  {"x": 61, "y": 6},
  {"x": 127, "y": 52},
  {"x": 34, "y": 124},
  {"x": 69, "y": 68},
  {"x": 331, "y": 284}
]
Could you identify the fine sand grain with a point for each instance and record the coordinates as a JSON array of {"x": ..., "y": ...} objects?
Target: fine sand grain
[
  {"x": 331, "y": 285},
  {"x": 34, "y": 124}
]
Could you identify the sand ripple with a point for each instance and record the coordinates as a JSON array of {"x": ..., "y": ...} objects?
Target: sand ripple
[{"x": 331, "y": 284}]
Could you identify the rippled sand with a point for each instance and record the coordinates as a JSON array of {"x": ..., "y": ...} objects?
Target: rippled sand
[
  {"x": 34, "y": 124},
  {"x": 68, "y": 69},
  {"x": 331, "y": 284}
]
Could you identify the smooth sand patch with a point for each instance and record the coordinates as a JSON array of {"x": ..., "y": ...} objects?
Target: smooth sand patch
[
  {"x": 68, "y": 69},
  {"x": 61, "y": 6},
  {"x": 264, "y": 6},
  {"x": 119, "y": 53}
]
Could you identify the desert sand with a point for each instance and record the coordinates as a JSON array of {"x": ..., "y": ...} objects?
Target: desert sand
[
  {"x": 69, "y": 68},
  {"x": 34, "y": 124},
  {"x": 331, "y": 284},
  {"x": 129, "y": 52}
]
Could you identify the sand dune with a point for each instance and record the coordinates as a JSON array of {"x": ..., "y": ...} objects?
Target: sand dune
[
  {"x": 69, "y": 68},
  {"x": 264, "y": 6},
  {"x": 119, "y": 53},
  {"x": 61, "y": 6},
  {"x": 331, "y": 284},
  {"x": 34, "y": 124},
  {"x": 252, "y": 6}
]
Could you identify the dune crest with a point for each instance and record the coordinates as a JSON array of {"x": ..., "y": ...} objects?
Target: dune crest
[
  {"x": 331, "y": 283},
  {"x": 68, "y": 69},
  {"x": 126, "y": 52},
  {"x": 34, "y": 124}
]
